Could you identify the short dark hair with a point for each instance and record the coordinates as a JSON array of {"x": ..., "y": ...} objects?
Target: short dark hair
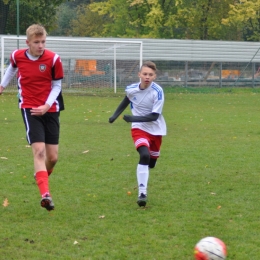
[{"x": 149, "y": 64}]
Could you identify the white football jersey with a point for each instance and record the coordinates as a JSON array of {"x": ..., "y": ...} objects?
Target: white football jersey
[{"x": 146, "y": 101}]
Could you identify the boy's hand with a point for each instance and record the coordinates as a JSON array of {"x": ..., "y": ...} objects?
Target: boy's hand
[
  {"x": 39, "y": 111},
  {"x": 111, "y": 119}
]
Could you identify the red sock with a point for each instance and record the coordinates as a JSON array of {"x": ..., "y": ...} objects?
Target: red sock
[
  {"x": 49, "y": 172},
  {"x": 42, "y": 182}
]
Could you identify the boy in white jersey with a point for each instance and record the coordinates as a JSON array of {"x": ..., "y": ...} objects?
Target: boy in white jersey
[
  {"x": 146, "y": 99},
  {"x": 39, "y": 74}
]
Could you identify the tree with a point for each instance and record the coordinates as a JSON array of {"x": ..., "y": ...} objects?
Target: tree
[
  {"x": 244, "y": 15},
  {"x": 135, "y": 18},
  {"x": 201, "y": 19},
  {"x": 192, "y": 19},
  {"x": 64, "y": 15},
  {"x": 33, "y": 11},
  {"x": 4, "y": 10},
  {"x": 87, "y": 23}
]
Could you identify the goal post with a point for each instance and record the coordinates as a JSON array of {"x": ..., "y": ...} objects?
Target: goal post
[{"x": 90, "y": 65}]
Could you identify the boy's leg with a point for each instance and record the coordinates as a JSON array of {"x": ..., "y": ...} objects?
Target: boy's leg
[
  {"x": 35, "y": 134},
  {"x": 41, "y": 174},
  {"x": 141, "y": 141},
  {"x": 142, "y": 170},
  {"x": 142, "y": 173},
  {"x": 155, "y": 145},
  {"x": 52, "y": 140},
  {"x": 51, "y": 157}
]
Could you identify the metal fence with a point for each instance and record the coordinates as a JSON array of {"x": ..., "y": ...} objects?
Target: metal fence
[{"x": 184, "y": 62}]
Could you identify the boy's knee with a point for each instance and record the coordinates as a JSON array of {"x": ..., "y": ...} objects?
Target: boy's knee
[
  {"x": 144, "y": 155},
  {"x": 145, "y": 158},
  {"x": 152, "y": 162},
  {"x": 53, "y": 160}
]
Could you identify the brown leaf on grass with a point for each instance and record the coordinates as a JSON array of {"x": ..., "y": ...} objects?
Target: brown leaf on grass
[
  {"x": 219, "y": 207},
  {"x": 5, "y": 203}
]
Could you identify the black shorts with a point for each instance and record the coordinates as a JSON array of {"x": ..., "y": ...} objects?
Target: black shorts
[{"x": 44, "y": 128}]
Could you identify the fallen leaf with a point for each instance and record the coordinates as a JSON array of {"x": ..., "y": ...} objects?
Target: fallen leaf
[
  {"x": 103, "y": 216},
  {"x": 213, "y": 193},
  {"x": 86, "y": 151},
  {"x": 75, "y": 242},
  {"x": 219, "y": 207},
  {"x": 6, "y": 203},
  {"x": 4, "y": 158}
]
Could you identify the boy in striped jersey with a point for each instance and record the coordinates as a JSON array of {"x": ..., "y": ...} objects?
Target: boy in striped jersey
[{"x": 146, "y": 99}]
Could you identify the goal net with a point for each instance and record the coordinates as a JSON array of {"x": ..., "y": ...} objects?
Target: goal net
[{"x": 90, "y": 66}]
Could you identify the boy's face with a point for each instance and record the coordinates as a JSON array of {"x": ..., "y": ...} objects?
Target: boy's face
[
  {"x": 146, "y": 75},
  {"x": 36, "y": 45}
]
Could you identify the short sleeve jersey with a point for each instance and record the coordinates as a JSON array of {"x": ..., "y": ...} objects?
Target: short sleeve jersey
[
  {"x": 146, "y": 101},
  {"x": 35, "y": 77}
]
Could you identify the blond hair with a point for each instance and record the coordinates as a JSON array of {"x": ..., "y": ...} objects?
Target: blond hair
[
  {"x": 35, "y": 30},
  {"x": 149, "y": 64}
]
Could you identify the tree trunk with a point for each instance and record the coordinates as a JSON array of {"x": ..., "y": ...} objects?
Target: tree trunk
[{"x": 208, "y": 72}]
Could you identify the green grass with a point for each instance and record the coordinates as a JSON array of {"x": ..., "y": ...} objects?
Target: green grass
[{"x": 206, "y": 182}]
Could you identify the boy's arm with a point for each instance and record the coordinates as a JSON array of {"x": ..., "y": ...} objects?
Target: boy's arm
[
  {"x": 122, "y": 106},
  {"x": 147, "y": 118},
  {"x": 55, "y": 91},
  {"x": 9, "y": 74}
]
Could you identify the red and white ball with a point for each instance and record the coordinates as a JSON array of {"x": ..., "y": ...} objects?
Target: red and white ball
[{"x": 210, "y": 248}]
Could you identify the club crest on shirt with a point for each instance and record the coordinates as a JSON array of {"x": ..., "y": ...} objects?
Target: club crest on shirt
[{"x": 42, "y": 67}]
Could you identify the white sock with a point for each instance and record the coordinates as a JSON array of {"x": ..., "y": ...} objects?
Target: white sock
[{"x": 142, "y": 173}]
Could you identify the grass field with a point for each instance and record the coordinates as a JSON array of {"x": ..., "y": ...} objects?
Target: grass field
[{"x": 206, "y": 182}]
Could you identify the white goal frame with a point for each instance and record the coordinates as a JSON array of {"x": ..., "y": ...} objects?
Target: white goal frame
[{"x": 114, "y": 45}]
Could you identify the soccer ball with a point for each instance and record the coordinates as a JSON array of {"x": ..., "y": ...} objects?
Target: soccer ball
[{"x": 210, "y": 248}]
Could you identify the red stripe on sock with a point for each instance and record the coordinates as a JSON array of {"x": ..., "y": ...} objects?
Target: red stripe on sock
[{"x": 42, "y": 182}]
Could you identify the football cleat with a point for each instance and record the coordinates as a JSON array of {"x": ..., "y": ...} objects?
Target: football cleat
[
  {"x": 46, "y": 202},
  {"x": 142, "y": 199}
]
